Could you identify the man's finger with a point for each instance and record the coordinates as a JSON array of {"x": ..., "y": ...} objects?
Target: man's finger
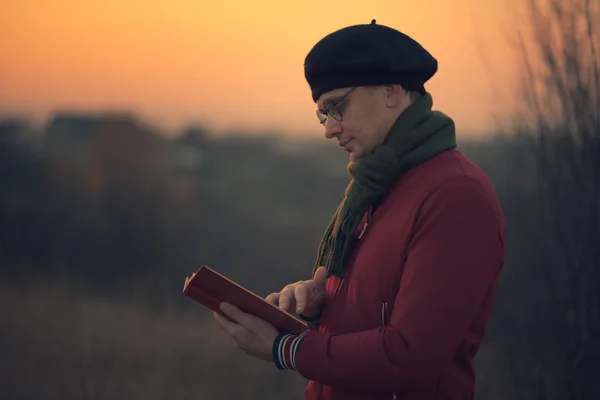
[
  {"x": 231, "y": 311},
  {"x": 285, "y": 297},
  {"x": 320, "y": 277},
  {"x": 240, "y": 336},
  {"x": 225, "y": 323},
  {"x": 242, "y": 319},
  {"x": 301, "y": 295},
  {"x": 273, "y": 298},
  {"x": 237, "y": 333}
]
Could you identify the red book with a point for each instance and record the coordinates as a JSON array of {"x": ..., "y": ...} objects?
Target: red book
[{"x": 210, "y": 288}]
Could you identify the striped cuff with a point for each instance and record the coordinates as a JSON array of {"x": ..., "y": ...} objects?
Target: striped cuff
[{"x": 284, "y": 350}]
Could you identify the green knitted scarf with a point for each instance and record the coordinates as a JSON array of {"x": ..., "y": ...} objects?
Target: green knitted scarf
[{"x": 418, "y": 135}]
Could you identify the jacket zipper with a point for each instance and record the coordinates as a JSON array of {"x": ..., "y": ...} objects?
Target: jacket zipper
[
  {"x": 385, "y": 318},
  {"x": 339, "y": 288}
]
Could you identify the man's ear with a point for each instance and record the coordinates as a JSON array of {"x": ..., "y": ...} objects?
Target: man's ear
[{"x": 394, "y": 95}]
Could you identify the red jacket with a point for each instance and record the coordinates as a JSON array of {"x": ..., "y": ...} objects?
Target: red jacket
[{"x": 410, "y": 314}]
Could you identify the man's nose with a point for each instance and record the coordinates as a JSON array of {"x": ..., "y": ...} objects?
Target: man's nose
[{"x": 332, "y": 128}]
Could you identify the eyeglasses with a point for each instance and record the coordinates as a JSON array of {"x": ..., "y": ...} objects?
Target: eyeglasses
[{"x": 332, "y": 108}]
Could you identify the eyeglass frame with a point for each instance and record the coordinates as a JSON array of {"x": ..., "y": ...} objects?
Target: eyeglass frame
[{"x": 333, "y": 105}]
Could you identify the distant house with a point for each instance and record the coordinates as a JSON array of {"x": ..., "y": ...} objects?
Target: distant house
[
  {"x": 74, "y": 135},
  {"x": 71, "y": 137},
  {"x": 187, "y": 152},
  {"x": 104, "y": 150},
  {"x": 19, "y": 131}
]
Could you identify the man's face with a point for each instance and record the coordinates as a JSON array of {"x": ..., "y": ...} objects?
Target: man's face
[{"x": 366, "y": 117}]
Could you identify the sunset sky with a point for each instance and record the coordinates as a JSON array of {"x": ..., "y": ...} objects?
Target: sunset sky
[{"x": 233, "y": 64}]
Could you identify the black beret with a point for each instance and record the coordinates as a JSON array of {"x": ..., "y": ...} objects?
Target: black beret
[{"x": 367, "y": 54}]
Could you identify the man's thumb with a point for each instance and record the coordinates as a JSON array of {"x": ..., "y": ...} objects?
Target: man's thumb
[{"x": 320, "y": 277}]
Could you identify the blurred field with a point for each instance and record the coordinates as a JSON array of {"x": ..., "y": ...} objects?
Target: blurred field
[{"x": 60, "y": 345}]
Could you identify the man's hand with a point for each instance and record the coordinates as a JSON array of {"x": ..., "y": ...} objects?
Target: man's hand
[
  {"x": 249, "y": 333},
  {"x": 302, "y": 297}
]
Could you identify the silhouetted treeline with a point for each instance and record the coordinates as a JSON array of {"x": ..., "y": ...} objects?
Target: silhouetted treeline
[{"x": 104, "y": 200}]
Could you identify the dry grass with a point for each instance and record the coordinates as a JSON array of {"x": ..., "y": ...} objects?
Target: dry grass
[{"x": 58, "y": 345}]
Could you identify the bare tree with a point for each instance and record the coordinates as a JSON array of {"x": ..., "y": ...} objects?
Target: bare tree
[{"x": 559, "y": 49}]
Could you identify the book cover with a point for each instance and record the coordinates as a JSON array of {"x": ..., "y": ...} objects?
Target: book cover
[{"x": 210, "y": 288}]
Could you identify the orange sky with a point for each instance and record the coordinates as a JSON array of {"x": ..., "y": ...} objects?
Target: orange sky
[{"x": 231, "y": 64}]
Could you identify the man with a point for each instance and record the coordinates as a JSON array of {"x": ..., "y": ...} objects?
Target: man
[{"x": 408, "y": 266}]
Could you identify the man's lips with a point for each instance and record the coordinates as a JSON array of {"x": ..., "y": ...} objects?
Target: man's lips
[{"x": 343, "y": 143}]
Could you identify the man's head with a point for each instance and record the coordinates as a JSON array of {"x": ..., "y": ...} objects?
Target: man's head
[
  {"x": 361, "y": 116},
  {"x": 361, "y": 78}
]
